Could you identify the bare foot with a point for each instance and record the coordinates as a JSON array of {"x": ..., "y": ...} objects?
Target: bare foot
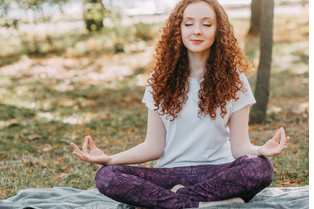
[
  {"x": 221, "y": 202},
  {"x": 176, "y": 187}
]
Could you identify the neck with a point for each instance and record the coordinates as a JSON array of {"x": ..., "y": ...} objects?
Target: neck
[{"x": 197, "y": 63}]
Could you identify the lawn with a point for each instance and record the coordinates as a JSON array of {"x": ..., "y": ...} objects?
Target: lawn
[{"x": 49, "y": 101}]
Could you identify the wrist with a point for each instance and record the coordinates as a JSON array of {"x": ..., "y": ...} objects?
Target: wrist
[
  {"x": 110, "y": 161},
  {"x": 255, "y": 150},
  {"x": 259, "y": 151}
]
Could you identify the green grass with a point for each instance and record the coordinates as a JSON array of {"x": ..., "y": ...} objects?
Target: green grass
[{"x": 40, "y": 116}]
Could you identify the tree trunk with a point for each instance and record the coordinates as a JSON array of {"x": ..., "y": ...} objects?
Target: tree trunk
[
  {"x": 93, "y": 13},
  {"x": 258, "y": 114},
  {"x": 256, "y": 14}
]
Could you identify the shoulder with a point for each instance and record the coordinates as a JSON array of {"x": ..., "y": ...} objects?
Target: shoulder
[
  {"x": 245, "y": 96},
  {"x": 244, "y": 80},
  {"x": 242, "y": 76}
]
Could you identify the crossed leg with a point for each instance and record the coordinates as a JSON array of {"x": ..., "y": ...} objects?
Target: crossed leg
[{"x": 150, "y": 187}]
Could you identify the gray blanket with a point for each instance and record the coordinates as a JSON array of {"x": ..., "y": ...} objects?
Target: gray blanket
[{"x": 65, "y": 197}]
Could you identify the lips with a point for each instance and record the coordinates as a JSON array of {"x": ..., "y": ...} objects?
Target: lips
[{"x": 196, "y": 41}]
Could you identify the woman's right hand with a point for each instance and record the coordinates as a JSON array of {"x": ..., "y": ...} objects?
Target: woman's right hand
[{"x": 94, "y": 156}]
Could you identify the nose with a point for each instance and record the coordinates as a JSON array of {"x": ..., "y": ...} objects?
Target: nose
[{"x": 197, "y": 30}]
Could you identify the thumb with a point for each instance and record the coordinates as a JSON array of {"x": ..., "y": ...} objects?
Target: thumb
[
  {"x": 277, "y": 135},
  {"x": 91, "y": 142}
]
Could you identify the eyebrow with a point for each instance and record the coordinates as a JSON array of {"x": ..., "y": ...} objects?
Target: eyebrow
[{"x": 191, "y": 18}]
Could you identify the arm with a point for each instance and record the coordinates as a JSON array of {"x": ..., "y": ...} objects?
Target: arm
[
  {"x": 239, "y": 136},
  {"x": 240, "y": 141},
  {"x": 151, "y": 149}
]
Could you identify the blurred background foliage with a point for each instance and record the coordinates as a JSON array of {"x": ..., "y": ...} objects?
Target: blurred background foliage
[{"x": 32, "y": 27}]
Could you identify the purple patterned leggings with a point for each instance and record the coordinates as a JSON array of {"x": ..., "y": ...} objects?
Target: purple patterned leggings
[{"x": 150, "y": 187}]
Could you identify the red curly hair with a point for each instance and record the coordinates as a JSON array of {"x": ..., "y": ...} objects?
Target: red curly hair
[{"x": 221, "y": 82}]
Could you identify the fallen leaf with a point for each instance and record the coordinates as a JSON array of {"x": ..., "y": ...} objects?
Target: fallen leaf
[
  {"x": 47, "y": 148},
  {"x": 34, "y": 137},
  {"x": 275, "y": 169}
]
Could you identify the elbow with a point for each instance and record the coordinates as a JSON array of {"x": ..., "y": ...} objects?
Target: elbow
[
  {"x": 160, "y": 154},
  {"x": 157, "y": 154},
  {"x": 155, "y": 150},
  {"x": 235, "y": 154},
  {"x": 238, "y": 151}
]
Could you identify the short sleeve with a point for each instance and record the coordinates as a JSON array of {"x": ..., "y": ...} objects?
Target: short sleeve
[
  {"x": 148, "y": 98},
  {"x": 245, "y": 98}
]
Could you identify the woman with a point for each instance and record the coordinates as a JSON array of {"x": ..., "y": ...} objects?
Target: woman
[{"x": 198, "y": 101}]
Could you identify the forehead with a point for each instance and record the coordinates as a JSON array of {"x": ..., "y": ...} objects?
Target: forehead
[{"x": 199, "y": 10}]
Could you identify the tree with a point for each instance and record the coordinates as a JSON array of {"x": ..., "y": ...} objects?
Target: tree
[
  {"x": 93, "y": 14},
  {"x": 256, "y": 14},
  {"x": 41, "y": 13},
  {"x": 258, "y": 113},
  {"x": 20, "y": 7}
]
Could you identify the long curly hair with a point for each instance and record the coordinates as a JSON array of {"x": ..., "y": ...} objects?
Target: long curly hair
[{"x": 169, "y": 80}]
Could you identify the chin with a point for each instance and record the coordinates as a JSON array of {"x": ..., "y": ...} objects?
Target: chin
[{"x": 198, "y": 51}]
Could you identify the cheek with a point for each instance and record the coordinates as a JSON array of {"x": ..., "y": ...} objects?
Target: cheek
[
  {"x": 211, "y": 37},
  {"x": 185, "y": 37},
  {"x": 211, "y": 32}
]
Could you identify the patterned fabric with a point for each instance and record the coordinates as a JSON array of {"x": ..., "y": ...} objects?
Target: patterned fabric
[{"x": 150, "y": 187}]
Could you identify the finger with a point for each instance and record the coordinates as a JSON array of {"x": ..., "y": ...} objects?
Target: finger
[
  {"x": 82, "y": 156},
  {"x": 282, "y": 146},
  {"x": 277, "y": 136},
  {"x": 84, "y": 148},
  {"x": 282, "y": 149},
  {"x": 91, "y": 142},
  {"x": 78, "y": 155},
  {"x": 86, "y": 157},
  {"x": 283, "y": 134},
  {"x": 285, "y": 141},
  {"x": 76, "y": 148}
]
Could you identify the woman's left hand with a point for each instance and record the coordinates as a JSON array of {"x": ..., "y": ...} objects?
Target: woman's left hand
[{"x": 272, "y": 147}]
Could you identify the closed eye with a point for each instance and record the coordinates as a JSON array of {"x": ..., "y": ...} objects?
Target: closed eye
[
  {"x": 188, "y": 24},
  {"x": 208, "y": 25}
]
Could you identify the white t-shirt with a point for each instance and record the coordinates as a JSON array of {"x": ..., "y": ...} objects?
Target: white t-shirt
[{"x": 191, "y": 140}]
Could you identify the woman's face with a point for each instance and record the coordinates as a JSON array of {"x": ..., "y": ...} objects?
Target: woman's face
[{"x": 198, "y": 27}]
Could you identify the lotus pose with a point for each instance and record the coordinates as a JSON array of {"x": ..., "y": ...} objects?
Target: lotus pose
[{"x": 198, "y": 100}]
